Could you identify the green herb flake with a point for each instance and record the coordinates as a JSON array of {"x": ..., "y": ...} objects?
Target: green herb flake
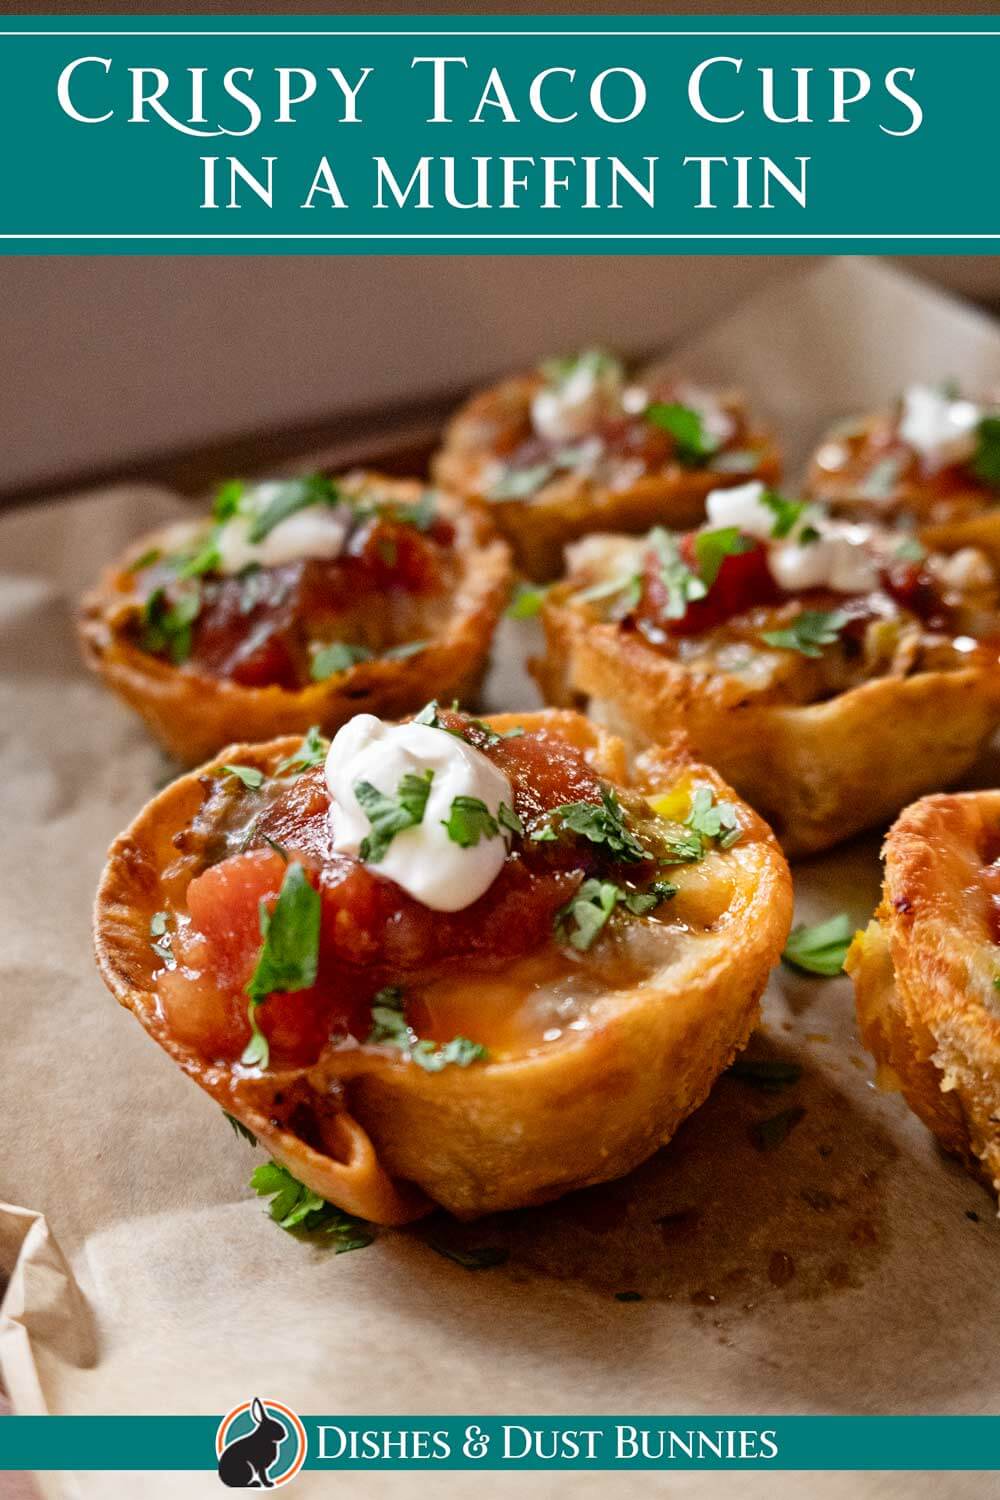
[
  {"x": 693, "y": 442},
  {"x": 786, "y": 512},
  {"x": 881, "y": 479},
  {"x": 684, "y": 848},
  {"x": 251, "y": 778},
  {"x": 147, "y": 560},
  {"x": 581, "y": 919},
  {"x": 639, "y": 903},
  {"x": 682, "y": 586},
  {"x": 767, "y": 1135},
  {"x": 241, "y": 1130},
  {"x": 472, "y": 1260},
  {"x": 713, "y": 547},
  {"x": 289, "y": 955},
  {"x": 338, "y": 656},
  {"x": 390, "y": 1029},
  {"x": 228, "y": 498},
  {"x": 986, "y": 460},
  {"x": 311, "y": 753},
  {"x": 526, "y": 602},
  {"x": 160, "y": 940},
  {"x": 822, "y": 948},
  {"x": 713, "y": 820},
  {"x": 389, "y": 816},
  {"x": 295, "y": 1206},
  {"x": 408, "y": 648},
  {"x": 468, "y": 821},
  {"x": 421, "y": 515},
  {"x": 508, "y": 818},
  {"x": 167, "y": 624},
  {"x": 996, "y": 981},
  {"x": 809, "y": 632},
  {"x": 910, "y": 550},
  {"x": 600, "y": 823},
  {"x": 287, "y": 497},
  {"x": 520, "y": 484},
  {"x": 627, "y": 586}
]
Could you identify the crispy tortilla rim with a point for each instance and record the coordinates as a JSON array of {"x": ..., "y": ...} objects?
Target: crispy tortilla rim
[{"x": 387, "y": 1139}]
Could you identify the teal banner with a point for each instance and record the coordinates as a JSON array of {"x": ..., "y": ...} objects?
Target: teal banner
[
  {"x": 518, "y": 1442},
  {"x": 513, "y": 134}
]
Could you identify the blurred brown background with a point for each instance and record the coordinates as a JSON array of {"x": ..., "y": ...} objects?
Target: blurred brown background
[{"x": 179, "y": 367}]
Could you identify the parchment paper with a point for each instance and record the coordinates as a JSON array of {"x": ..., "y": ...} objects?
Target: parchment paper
[{"x": 849, "y": 1269}]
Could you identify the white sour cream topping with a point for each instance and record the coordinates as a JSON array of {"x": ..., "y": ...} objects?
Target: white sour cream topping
[
  {"x": 423, "y": 860},
  {"x": 742, "y": 506},
  {"x": 941, "y": 429},
  {"x": 571, "y": 407},
  {"x": 317, "y": 531},
  {"x": 840, "y": 558},
  {"x": 715, "y": 419}
]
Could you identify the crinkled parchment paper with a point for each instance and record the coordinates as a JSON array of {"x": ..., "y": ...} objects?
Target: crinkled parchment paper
[{"x": 848, "y": 1269}]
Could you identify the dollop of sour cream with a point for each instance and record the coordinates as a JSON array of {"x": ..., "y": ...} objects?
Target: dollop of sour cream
[
  {"x": 317, "y": 531},
  {"x": 572, "y": 404},
  {"x": 817, "y": 553},
  {"x": 424, "y": 860},
  {"x": 939, "y": 427}
]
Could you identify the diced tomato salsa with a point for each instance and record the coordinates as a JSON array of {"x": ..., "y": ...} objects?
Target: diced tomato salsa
[{"x": 372, "y": 933}]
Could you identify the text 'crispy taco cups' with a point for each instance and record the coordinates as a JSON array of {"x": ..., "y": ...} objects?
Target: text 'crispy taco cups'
[
  {"x": 925, "y": 972},
  {"x": 193, "y": 711},
  {"x": 370, "y": 1131}
]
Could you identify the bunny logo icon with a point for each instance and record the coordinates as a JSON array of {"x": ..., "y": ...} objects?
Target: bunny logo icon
[{"x": 260, "y": 1445}]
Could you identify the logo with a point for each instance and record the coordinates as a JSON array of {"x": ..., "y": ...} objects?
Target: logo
[{"x": 260, "y": 1445}]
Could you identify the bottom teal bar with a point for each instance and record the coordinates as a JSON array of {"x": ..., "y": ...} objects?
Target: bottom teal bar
[{"x": 515, "y": 1442}]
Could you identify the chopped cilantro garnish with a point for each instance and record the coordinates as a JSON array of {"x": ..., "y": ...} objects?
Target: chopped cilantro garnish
[
  {"x": 684, "y": 848},
  {"x": 470, "y": 820},
  {"x": 581, "y": 920},
  {"x": 166, "y": 625},
  {"x": 289, "y": 955},
  {"x": 600, "y": 823},
  {"x": 786, "y": 512},
  {"x": 421, "y": 514},
  {"x": 808, "y": 632},
  {"x": 408, "y": 648},
  {"x": 147, "y": 560},
  {"x": 558, "y": 370},
  {"x": 428, "y": 715},
  {"x": 390, "y": 1029},
  {"x": 338, "y": 656},
  {"x": 910, "y": 550},
  {"x": 713, "y": 820},
  {"x": 986, "y": 460},
  {"x": 629, "y": 585},
  {"x": 295, "y": 1206},
  {"x": 693, "y": 442},
  {"x": 251, "y": 778},
  {"x": 507, "y": 817},
  {"x": 713, "y": 547},
  {"x": 520, "y": 484},
  {"x": 160, "y": 940},
  {"x": 205, "y": 560},
  {"x": 682, "y": 585},
  {"x": 312, "y": 752},
  {"x": 287, "y": 496},
  {"x": 881, "y": 479},
  {"x": 527, "y": 602},
  {"x": 389, "y": 816},
  {"x": 240, "y": 1129},
  {"x": 227, "y": 499},
  {"x": 822, "y": 948}
]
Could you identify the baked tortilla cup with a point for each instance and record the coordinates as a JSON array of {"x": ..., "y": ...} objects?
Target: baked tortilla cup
[
  {"x": 818, "y": 771},
  {"x": 925, "y": 973},
  {"x": 193, "y": 712},
  {"x": 631, "y": 496},
  {"x": 382, "y": 1138},
  {"x": 862, "y": 470}
]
